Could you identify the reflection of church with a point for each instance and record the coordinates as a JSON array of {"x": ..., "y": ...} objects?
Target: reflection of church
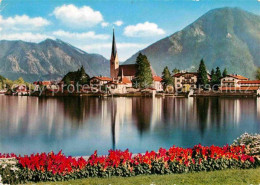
[{"x": 126, "y": 73}]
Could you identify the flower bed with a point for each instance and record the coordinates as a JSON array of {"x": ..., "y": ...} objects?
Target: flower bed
[{"x": 53, "y": 167}]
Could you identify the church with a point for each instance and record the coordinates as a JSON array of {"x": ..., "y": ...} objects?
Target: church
[
  {"x": 126, "y": 73},
  {"x": 121, "y": 76}
]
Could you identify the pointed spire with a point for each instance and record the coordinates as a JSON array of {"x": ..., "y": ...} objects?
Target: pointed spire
[{"x": 114, "y": 50}]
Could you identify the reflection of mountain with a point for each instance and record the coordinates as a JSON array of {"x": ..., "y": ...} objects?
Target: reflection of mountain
[{"x": 84, "y": 123}]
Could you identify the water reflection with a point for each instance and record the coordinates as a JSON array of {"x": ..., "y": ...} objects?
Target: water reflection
[{"x": 79, "y": 125}]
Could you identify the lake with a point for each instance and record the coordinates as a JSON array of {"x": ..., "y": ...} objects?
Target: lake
[{"x": 80, "y": 125}]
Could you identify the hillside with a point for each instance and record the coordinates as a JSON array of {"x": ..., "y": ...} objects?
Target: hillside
[
  {"x": 50, "y": 59},
  {"x": 224, "y": 37}
]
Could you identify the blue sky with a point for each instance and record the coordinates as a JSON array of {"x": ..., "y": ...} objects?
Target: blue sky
[{"x": 88, "y": 24}]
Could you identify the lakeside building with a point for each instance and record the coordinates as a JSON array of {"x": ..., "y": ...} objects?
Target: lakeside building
[
  {"x": 47, "y": 84},
  {"x": 157, "y": 83},
  {"x": 249, "y": 83},
  {"x": 232, "y": 80},
  {"x": 186, "y": 80},
  {"x": 98, "y": 81}
]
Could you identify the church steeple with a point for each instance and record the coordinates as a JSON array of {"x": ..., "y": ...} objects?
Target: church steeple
[
  {"x": 114, "y": 50},
  {"x": 114, "y": 62}
]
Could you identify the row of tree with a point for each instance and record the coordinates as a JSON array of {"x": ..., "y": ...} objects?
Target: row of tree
[
  {"x": 144, "y": 76},
  {"x": 214, "y": 79}
]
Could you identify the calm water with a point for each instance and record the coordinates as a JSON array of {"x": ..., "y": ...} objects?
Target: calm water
[{"x": 80, "y": 125}]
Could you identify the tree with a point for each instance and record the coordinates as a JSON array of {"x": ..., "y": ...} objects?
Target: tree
[
  {"x": 83, "y": 77},
  {"x": 213, "y": 78},
  {"x": 218, "y": 75},
  {"x": 144, "y": 76},
  {"x": 225, "y": 73},
  {"x": 66, "y": 80},
  {"x": 175, "y": 70},
  {"x": 202, "y": 75},
  {"x": 258, "y": 74},
  {"x": 167, "y": 78}
]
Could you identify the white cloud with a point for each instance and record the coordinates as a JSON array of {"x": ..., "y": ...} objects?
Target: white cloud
[
  {"x": 85, "y": 35},
  {"x": 143, "y": 30},
  {"x": 26, "y": 36},
  {"x": 118, "y": 23},
  {"x": 23, "y": 22},
  {"x": 104, "y": 24},
  {"x": 73, "y": 16}
]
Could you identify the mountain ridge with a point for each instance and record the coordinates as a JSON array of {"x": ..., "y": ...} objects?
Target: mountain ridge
[
  {"x": 49, "y": 59},
  {"x": 225, "y": 37}
]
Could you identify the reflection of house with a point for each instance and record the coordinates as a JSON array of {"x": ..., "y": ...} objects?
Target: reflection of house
[
  {"x": 157, "y": 83},
  {"x": 186, "y": 79},
  {"x": 98, "y": 81},
  {"x": 232, "y": 80}
]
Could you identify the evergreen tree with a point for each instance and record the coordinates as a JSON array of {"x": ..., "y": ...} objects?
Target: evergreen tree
[
  {"x": 144, "y": 76},
  {"x": 258, "y": 74},
  {"x": 225, "y": 73},
  {"x": 218, "y": 75},
  {"x": 66, "y": 80},
  {"x": 202, "y": 74},
  {"x": 175, "y": 70},
  {"x": 213, "y": 78},
  {"x": 167, "y": 78},
  {"x": 83, "y": 77}
]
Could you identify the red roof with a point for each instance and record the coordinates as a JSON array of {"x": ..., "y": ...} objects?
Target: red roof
[
  {"x": 126, "y": 80},
  {"x": 238, "y": 88},
  {"x": 130, "y": 70},
  {"x": 250, "y": 82},
  {"x": 42, "y": 83},
  {"x": 239, "y": 77},
  {"x": 117, "y": 83},
  {"x": 103, "y": 78},
  {"x": 186, "y": 73},
  {"x": 157, "y": 78}
]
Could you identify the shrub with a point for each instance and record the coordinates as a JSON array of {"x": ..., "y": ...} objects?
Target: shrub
[
  {"x": 58, "y": 167},
  {"x": 251, "y": 143}
]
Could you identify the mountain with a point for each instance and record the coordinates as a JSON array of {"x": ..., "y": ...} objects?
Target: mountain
[
  {"x": 224, "y": 37},
  {"x": 50, "y": 59}
]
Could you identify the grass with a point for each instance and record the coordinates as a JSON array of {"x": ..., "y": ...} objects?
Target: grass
[{"x": 251, "y": 176}]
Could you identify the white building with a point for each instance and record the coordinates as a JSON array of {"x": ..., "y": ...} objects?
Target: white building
[{"x": 232, "y": 80}]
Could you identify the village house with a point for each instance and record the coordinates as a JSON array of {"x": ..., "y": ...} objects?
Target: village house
[
  {"x": 47, "y": 84},
  {"x": 232, "y": 80},
  {"x": 21, "y": 90},
  {"x": 157, "y": 83},
  {"x": 185, "y": 79},
  {"x": 98, "y": 81},
  {"x": 116, "y": 87},
  {"x": 249, "y": 83}
]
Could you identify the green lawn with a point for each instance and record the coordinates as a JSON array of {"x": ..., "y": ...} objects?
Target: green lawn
[{"x": 251, "y": 176}]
